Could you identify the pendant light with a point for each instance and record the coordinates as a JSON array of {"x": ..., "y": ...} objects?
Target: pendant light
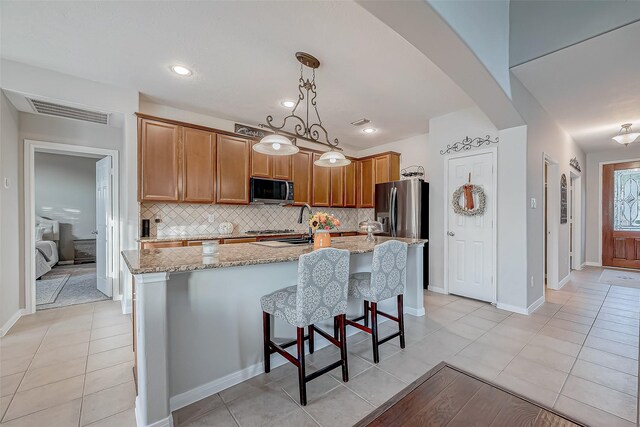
[
  {"x": 306, "y": 125},
  {"x": 276, "y": 145},
  {"x": 625, "y": 136},
  {"x": 332, "y": 159}
]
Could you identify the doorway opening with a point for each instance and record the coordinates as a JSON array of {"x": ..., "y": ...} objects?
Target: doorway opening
[
  {"x": 551, "y": 215},
  {"x": 71, "y": 206}
]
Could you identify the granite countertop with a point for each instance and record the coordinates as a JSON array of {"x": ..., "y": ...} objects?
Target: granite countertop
[
  {"x": 172, "y": 260},
  {"x": 234, "y": 235}
]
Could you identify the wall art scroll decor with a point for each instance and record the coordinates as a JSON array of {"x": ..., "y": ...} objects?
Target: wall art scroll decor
[
  {"x": 563, "y": 199},
  {"x": 574, "y": 163},
  {"x": 467, "y": 192},
  {"x": 469, "y": 143}
]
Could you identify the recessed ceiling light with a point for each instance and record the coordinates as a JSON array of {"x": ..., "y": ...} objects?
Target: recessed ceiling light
[
  {"x": 369, "y": 130},
  {"x": 181, "y": 70},
  {"x": 288, "y": 103}
]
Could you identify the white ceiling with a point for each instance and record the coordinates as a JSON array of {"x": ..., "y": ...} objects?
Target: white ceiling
[
  {"x": 242, "y": 54},
  {"x": 590, "y": 88}
]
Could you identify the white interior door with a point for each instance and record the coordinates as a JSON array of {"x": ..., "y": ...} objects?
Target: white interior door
[
  {"x": 103, "y": 218},
  {"x": 471, "y": 238}
]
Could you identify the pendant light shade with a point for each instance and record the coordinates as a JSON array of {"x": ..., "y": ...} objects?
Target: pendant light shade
[
  {"x": 625, "y": 136},
  {"x": 276, "y": 145},
  {"x": 332, "y": 159}
]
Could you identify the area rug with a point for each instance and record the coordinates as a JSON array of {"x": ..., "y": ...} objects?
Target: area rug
[
  {"x": 630, "y": 279},
  {"x": 80, "y": 287},
  {"x": 49, "y": 286}
]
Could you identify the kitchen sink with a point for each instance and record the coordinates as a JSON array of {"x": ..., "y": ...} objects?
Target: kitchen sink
[
  {"x": 282, "y": 242},
  {"x": 294, "y": 240}
]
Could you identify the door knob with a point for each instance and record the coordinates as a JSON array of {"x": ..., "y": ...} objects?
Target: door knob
[{"x": 451, "y": 233}]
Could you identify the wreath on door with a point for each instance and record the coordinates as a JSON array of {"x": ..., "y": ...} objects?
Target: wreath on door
[{"x": 467, "y": 192}]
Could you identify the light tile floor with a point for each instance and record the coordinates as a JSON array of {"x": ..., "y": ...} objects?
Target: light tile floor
[
  {"x": 68, "y": 366},
  {"x": 577, "y": 353}
]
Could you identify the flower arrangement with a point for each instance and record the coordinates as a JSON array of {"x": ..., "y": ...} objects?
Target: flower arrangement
[{"x": 323, "y": 221}]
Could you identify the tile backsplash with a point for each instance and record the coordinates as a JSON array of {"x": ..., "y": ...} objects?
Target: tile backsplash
[{"x": 193, "y": 219}]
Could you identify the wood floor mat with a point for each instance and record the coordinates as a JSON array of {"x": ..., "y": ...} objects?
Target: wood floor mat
[{"x": 449, "y": 396}]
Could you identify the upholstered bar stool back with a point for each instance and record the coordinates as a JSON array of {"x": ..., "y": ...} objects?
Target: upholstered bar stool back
[
  {"x": 387, "y": 279},
  {"x": 320, "y": 294}
]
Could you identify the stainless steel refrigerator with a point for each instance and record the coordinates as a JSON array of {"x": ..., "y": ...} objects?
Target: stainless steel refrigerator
[{"x": 403, "y": 209}]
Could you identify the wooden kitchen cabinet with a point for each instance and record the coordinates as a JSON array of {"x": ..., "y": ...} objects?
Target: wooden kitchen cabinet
[
  {"x": 281, "y": 167},
  {"x": 198, "y": 166},
  {"x": 158, "y": 161},
  {"x": 387, "y": 167},
  {"x": 321, "y": 179},
  {"x": 350, "y": 185},
  {"x": 337, "y": 186},
  {"x": 366, "y": 183},
  {"x": 271, "y": 167},
  {"x": 260, "y": 164},
  {"x": 301, "y": 175},
  {"x": 159, "y": 245},
  {"x": 232, "y": 170}
]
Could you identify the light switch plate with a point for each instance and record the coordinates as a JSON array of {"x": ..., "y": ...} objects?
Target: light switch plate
[
  {"x": 211, "y": 218},
  {"x": 534, "y": 203}
]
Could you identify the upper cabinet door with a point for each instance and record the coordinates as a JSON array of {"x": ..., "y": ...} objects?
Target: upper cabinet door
[
  {"x": 350, "y": 185},
  {"x": 321, "y": 184},
  {"x": 158, "y": 161},
  {"x": 281, "y": 167},
  {"x": 198, "y": 166},
  {"x": 337, "y": 186},
  {"x": 382, "y": 169},
  {"x": 260, "y": 164},
  {"x": 301, "y": 176},
  {"x": 233, "y": 170},
  {"x": 367, "y": 183}
]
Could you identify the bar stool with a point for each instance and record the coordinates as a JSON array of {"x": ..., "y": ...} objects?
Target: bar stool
[
  {"x": 321, "y": 293},
  {"x": 387, "y": 279}
]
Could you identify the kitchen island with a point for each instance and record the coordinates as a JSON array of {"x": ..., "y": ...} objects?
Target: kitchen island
[{"x": 198, "y": 318}]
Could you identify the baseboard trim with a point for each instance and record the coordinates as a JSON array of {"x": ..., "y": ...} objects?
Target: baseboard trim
[
  {"x": 437, "y": 289},
  {"x": 165, "y": 422},
  {"x": 414, "y": 311},
  {"x": 12, "y": 321},
  {"x": 593, "y": 264},
  {"x": 126, "y": 305},
  {"x": 537, "y": 303},
  {"x": 564, "y": 281},
  {"x": 512, "y": 308}
]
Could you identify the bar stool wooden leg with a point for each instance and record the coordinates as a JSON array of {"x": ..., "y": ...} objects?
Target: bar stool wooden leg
[
  {"x": 401, "y": 319},
  {"x": 302, "y": 381},
  {"x": 366, "y": 313},
  {"x": 266, "y": 338},
  {"x": 374, "y": 331},
  {"x": 343, "y": 347},
  {"x": 336, "y": 325},
  {"x": 311, "y": 341}
]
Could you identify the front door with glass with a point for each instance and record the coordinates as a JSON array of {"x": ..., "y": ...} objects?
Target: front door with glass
[{"x": 621, "y": 215}]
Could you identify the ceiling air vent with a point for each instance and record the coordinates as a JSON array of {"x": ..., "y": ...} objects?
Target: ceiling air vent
[
  {"x": 58, "y": 110},
  {"x": 361, "y": 122}
]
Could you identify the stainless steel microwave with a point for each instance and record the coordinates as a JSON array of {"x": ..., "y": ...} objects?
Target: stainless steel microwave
[{"x": 271, "y": 191}]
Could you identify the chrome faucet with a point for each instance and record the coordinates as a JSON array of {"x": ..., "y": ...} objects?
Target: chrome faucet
[{"x": 305, "y": 206}]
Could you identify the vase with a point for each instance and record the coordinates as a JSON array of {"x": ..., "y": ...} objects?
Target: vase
[{"x": 322, "y": 239}]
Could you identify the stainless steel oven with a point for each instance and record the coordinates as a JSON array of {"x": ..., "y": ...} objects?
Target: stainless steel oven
[{"x": 271, "y": 191}]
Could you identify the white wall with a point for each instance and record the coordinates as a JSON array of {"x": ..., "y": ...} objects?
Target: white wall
[
  {"x": 51, "y": 85},
  {"x": 543, "y": 136},
  {"x": 618, "y": 153},
  {"x": 413, "y": 150},
  {"x": 511, "y": 226},
  {"x": 484, "y": 26},
  {"x": 540, "y": 27},
  {"x": 10, "y": 246},
  {"x": 65, "y": 188}
]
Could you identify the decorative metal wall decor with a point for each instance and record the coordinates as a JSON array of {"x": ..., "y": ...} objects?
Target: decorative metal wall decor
[
  {"x": 303, "y": 127},
  {"x": 469, "y": 143},
  {"x": 255, "y": 132},
  {"x": 563, "y": 199},
  {"x": 575, "y": 164},
  {"x": 412, "y": 172}
]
